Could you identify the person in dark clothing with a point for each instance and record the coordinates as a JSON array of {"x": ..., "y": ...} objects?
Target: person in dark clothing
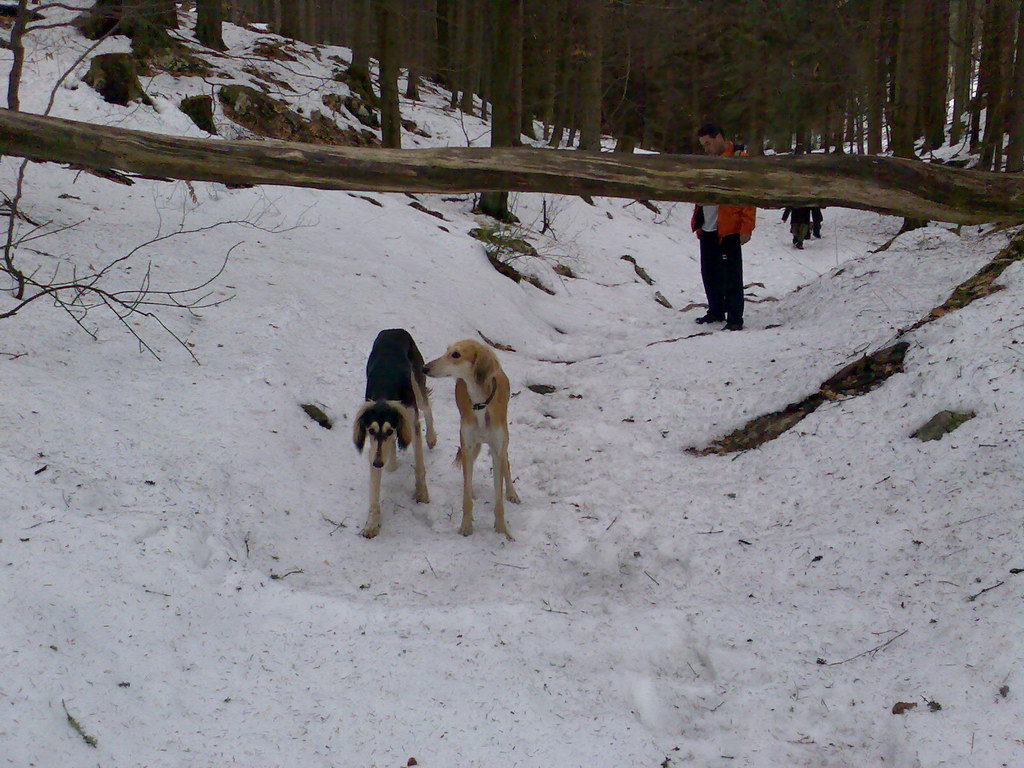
[
  {"x": 799, "y": 224},
  {"x": 802, "y": 221},
  {"x": 722, "y": 231}
]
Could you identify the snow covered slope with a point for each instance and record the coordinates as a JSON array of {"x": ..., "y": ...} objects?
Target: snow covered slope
[{"x": 180, "y": 565}]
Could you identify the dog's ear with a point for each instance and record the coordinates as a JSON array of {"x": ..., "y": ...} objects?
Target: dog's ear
[
  {"x": 485, "y": 366},
  {"x": 359, "y": 428},
  {"x": 403, "y": 429}
]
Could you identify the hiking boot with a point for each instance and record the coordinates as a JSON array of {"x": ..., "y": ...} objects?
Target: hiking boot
[
  {"x": 798, "y": 244},
  {"x": 709, "y": 318},
  {"x": 734, "y": 325}
]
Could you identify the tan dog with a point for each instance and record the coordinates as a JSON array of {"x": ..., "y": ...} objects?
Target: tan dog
[{"x": 482, "y": 394}]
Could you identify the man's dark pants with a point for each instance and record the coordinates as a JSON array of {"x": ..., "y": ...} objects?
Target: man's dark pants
[{"x": 721, "y": 267}]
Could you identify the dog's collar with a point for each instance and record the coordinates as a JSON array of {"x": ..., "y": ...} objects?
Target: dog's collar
[{"x": 485, "y": 403}]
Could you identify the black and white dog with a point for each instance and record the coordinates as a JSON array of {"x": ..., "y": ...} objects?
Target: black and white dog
[{"x": 396, "y": 392}]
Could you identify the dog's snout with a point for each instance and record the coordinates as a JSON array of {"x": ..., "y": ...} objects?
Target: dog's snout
[
  {"x": 377, "y": 463},
  {"x": 426, "y": 369}
]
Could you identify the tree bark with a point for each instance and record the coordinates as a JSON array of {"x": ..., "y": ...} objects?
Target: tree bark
[
  {"x": 1015, "y": 149},
  {"x": 887, "y": 185},
  {"x": 875, "y": 85},
  {"x": 992, "y": 76},
  {"x": 359, "y": 67},
  {"x": 415, "y": 46},
  {"x": 471, "y": 25},
  {"x": 388, "y": 45},
  {"x": 442, "y": 51},
  {"x": 963, "y": 65},
  {"x": 590, "y": 71},
  {"x": 907, "y": 78},
  {"x": 209, "y": 16},
  {"x": 935, "y": 83},
  {"x": 291, "y": 18},
  {"x": 17, "y": 47},
  {"x": 506, "y": 87}
]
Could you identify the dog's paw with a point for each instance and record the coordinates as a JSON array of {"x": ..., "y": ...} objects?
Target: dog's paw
[
  {"x": 431, "y": 439},
  {"x": 504, "y": 529},
  {"x": 466, "y": 529},
  {"x": 370, "y": 531},
  {"x": 421, "y": 495},
  {"x": 511, "y": 495}
]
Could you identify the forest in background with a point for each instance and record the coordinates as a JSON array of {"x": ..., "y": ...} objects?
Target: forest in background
[{"x": 861, "y": 76}]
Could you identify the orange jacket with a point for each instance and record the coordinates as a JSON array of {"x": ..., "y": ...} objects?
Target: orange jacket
[{"x": 732, "y": 219}]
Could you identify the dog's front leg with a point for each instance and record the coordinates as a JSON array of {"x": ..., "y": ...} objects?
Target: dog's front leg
[
  {"x": 498, "y": 463},
  {"x": 372, "y": 527},
  {"x": 423, "y": 405},
  {"x": 510, "y": 491},
  {"x": 468, "y": 454},
  {"x": 391, "y": 448},
  {"x": 421, "y": 473}
]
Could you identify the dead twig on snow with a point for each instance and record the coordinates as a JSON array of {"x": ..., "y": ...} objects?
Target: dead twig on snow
[{"x": 873, "y": 650}]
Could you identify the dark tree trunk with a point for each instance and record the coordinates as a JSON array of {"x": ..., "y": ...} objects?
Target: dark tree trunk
[
  {"x": 936, "y": 74},
  {"x": 415, "y": 46},
  {"x": 209, "y": 16},
  {"x": 1015, "y": 149},
  {"x": 388, "y": 45},
  {"x": 443, "y": 50},
  {"x": 17, "y": 47},
  {"x": 991, "y": 83},
  {"x": 471, "y": 25},
  {"x": 907, "y": 78},
  {"x": 359, "y": 67},
  {"x": 506, "y": 92},
  {"x": 291, "y": 18},
  {"x": 875, "y": 85},
  {"x": 590, "y": 71},
  {"x": 963, "y": 65}
]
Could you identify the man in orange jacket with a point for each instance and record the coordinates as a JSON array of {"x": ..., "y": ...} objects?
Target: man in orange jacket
[{"x": 722, "y": 230}]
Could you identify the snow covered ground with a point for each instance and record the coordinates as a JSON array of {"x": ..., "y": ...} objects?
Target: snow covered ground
[{"x": 180, "y": 565}]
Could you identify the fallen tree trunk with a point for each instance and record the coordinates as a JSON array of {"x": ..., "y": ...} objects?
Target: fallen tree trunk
[{"x": 883, "y": 184}]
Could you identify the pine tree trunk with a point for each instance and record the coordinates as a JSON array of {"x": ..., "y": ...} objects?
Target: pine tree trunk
[
  {"x": 1015, "y": 149},
  {"x": 276, "y": 15},
  {"x": 990, "y": 82},
  {"x": 875, "y": 87},
  {"x": 388, "y": 46},
  {"x": 310, "y": 32},
  {"x": 936, "y": 73},
  {"x": 359, "y": 68},
  {"x": 590, "y": 66},
  {"x": 535, "y": 64},
  {"x": 506, "y": 89},
  {"x": 209, "y": 16},
  {"x": 415, "y": 46},
  {"x": 555, "y": 109},
  {"x": 963, "y": 64},
  {"x": 442, "y": 65},
  {"x": 291, "y": 18},
  {"x": 470, "y": 31},
  {"x": 907, "y": 78}
]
